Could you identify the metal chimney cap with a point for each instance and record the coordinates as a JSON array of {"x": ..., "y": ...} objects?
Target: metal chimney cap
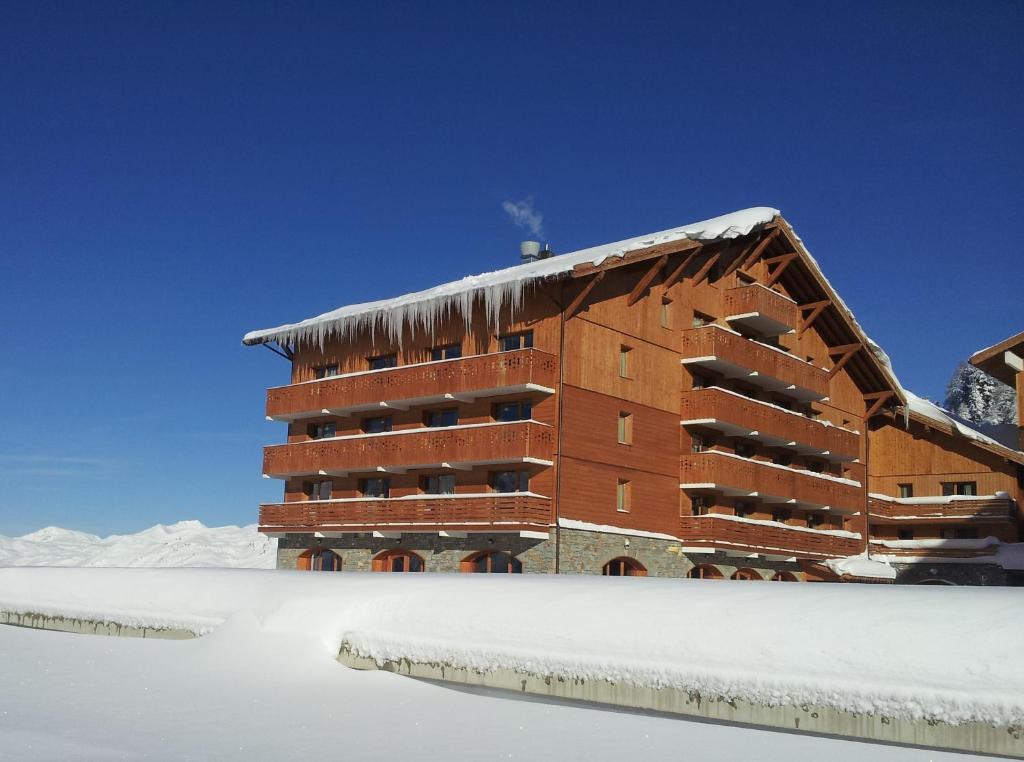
[{"x": 529, "y": 250}]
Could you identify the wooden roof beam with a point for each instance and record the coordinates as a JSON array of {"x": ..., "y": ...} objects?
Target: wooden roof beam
[
  {"x": 752, "y": 257},
  {"x": 783, "y": 262},
  {"x": 677, "y": 274},
  {"x": 816, "y": 309},
  {"x": 705, "y": 268},
  {"x": 576, "y": 303},
  {"x": 880, "y": 398},
  {"x": 848, "y": 350},
  {"x": 649, "y": 276}
]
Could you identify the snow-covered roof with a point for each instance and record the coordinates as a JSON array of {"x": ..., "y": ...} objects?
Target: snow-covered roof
[
  {"x": 861, "y": 567},
  {"x": 498, "y": 289},
  {"x": 928, "y": 412}
]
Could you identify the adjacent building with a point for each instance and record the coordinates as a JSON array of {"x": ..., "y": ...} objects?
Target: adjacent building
[{"x": 696, "y": 402}]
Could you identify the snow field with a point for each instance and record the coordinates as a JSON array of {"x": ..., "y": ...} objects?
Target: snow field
[{"x": 892, "y": 650}]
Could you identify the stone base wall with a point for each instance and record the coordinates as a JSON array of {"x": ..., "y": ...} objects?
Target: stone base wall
[
  {"x": 949, "y": 573},
  {"x": 580, "y": 552}
]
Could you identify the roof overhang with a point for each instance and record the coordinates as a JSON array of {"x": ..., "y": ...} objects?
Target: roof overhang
[{"x": 1002, "y": 361}]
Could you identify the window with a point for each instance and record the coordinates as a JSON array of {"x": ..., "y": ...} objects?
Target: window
[
  {"x": 325, "y": 371},
  {"x": 514, "y": 341},
  {"x": 959, "y": 488},
  {"x": 906, "y": 534},
  {"x": 700, "y": 505},
  {"x": 747, "y": 574},
  {"x": 666, "y": 312},
  {"x": 439, "y": 418},
  {"x": 447, "y": 352},
  {"x": 625, "y": 428},
  {"x": 382, "y": 361},
  {"x": 813, "y": 520},
  {"x": 745, "y": 449},
  {"x": 438, "y": 484},
  {"x": 701, "y": 382},
  {"x": 319, "y": 560},
  {"x": 782, "y": 458},
  {"x": 322, "y": 430},
  {"x": 377, "y": 486},
  {"x": 816, "y": 466},
  {"x": 377, "y": 425},
  {"x": 700, "y": 319},
  {"x": 781, "y": 516},
  {"x": 624, "y": 567},
  {"x": 698, "y": 443},
  {"x": 622, "y": 496},
  {"x": 398, "y": 560},
  {"x": 318, "y": 490},
  {"x": 510, "y": 481},
  {"x": 906, "y": 490},
  {"x": 704, "y": 571},
  {"x": 521, "y": 410},
  {"x": 743, "y": 509},
  {"x": 784, "y": 576},
  {"x": 492, "y": 562},
  {"x": 624, "y": 361}
]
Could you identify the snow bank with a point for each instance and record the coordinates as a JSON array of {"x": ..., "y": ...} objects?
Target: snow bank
[
  {"x": 833, "y": 645},
  {"x": 187, "y": 543},
  {"x": 862, "y": 567},
  {"x": 498, "y": 291}
]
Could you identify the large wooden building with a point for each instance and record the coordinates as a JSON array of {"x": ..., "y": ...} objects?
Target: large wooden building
[{"x": 696, "y": 402}]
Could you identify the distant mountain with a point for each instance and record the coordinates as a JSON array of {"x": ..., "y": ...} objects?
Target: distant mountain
[
  {"x": 187, "y": 543},
  {"x": 976, "y": 397}
]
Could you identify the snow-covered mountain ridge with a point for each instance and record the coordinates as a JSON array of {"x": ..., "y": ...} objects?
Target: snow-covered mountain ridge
[{"x": 186, "y": 543}]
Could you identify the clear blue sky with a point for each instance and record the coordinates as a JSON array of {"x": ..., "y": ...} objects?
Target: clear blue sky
[{"x": 173, "y": 175}]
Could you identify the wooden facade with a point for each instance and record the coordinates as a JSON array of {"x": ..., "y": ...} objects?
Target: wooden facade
[{"x": 715, "y": 395}]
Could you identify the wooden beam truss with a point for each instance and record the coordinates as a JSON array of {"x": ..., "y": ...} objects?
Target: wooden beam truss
[
  {"x": 646, "y": 281},
  {"x": 816, "y": 309},
  {"x": 581, "y": 297},
  {"x": 848, "y": 351}
]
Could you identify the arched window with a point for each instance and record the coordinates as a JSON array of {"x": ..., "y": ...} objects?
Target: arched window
[
  {"x": 398, "y": 560},
  {"x": 747, "y": 574},
  {"x": 624, "y": 567},
  {"x": 319, "y": 560},
  {"x": 705, "y": 571},
  {"x": 492, "y": 562},
  {"x": 784, "y": 576}
]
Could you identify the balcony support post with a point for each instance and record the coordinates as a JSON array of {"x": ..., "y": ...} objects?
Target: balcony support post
[
  {"x": 816, "y": 309},
  {"x": 646, "y": 280}
]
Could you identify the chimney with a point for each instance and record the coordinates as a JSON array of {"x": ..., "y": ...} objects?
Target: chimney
[{"x": 529, "y": 251}]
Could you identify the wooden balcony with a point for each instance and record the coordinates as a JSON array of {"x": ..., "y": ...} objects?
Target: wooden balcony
[
  {"x": 734, "y": 476},
  {"x": 984, "y": 509},
  {"x": 760, "y": 309},
  {"x": 733, "y": 356},
  {"x": 521, "y": 441},
  {"x": 523, "y": 370},
  {"x": 491, "y": 512},
  {"x": 716, "y": 532},
  {"x": 936, "y": 549},
  {"x": 736, "y": 415}
]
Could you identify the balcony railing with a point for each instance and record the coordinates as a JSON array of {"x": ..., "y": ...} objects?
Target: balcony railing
[
  {"x": 734, "y": 356},
  {"x": 737, "y": 415},
  {"x": 413, "y": 448},
  {"x": 919, "y": 510},
  {"x": 773, "y": 484},
  {"x": 476, "y": 376},
  {"x": 760, "y": 309},
  {"x": 494, "y": 512},
  {"x": 717, "y": 532}
]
